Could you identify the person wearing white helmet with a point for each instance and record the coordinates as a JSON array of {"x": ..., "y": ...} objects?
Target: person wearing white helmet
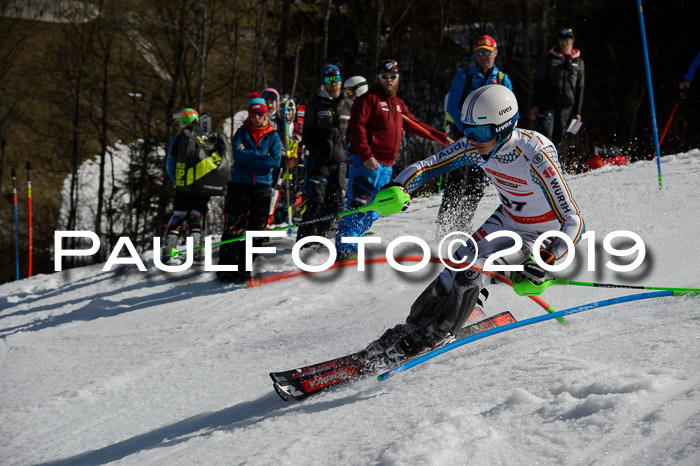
[
  {"x": 535, "y": 198},
  {"x": 355, "y": 87}
]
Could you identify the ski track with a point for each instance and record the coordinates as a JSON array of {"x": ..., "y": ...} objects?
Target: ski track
[{"x": 131, "y": 368}]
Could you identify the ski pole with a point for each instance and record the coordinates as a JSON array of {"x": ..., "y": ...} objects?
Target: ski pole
[
  {"x": 29, "y": 203},
  {"x": 388, "y": 202},
  {"x": 287, "y": 172},
  {"x": 527, "y": 288},
  {"x": 14, "y": 200}
]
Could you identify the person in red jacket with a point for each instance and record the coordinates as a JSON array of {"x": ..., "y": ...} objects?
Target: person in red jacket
[{"x": 377, "y": 123}]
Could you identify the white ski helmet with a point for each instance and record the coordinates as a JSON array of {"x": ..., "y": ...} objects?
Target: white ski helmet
[
  {"x": 356, "y": 85},
  {"x": 287, "y": 103},
  {"x": 494, "y": 105}
]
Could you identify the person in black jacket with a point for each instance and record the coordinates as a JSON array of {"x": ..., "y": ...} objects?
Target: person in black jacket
[
  {"x": 325, "y": 135},
  {"x": 558, "y": 92}
]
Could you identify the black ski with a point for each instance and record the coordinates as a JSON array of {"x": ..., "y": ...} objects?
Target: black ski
[{"x": 298, "y": 384}]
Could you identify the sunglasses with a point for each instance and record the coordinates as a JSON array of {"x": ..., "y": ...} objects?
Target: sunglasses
[
  {"x": 256, "y": 114},
  {"x": 479, "y": 133},
  {"x": 483, "y": 53},
  {"x": 332, "y": 79},
  {"x": 388, "y": 77}
]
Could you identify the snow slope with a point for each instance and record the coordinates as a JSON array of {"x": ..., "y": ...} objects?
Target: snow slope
[{"x": 155, "y": 368}]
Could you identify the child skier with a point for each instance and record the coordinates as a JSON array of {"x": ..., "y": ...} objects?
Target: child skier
[{"x": 524, "y": 168}]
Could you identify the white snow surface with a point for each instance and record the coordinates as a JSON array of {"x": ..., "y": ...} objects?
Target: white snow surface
[{"x": 127, "y": 367}]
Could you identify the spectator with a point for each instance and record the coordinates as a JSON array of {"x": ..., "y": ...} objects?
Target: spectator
[
  {"x": 287, "y": 112},
  {"x": 290, "y": 145},
  {"x": 376, "y": 127},
  {"x": 464, "y": 187},
  {"x": 325, "y": 135},
  {"x": 256, "y": 154},
  {"x": 189, "y": 209},
  {"x": 272, "y": 100},
  {"x": 685, "y": 84},
  {"x": 557, "y": 95},
  {"x": 355, "y": 87}
]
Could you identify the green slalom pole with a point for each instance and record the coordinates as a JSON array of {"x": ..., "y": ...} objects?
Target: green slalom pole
[
  {"x": 527, "y": 288},
  {"x": 388, "y": 202}
]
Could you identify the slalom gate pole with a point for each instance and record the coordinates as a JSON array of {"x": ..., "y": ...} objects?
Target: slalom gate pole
[
  {"x": 651, "y": 93},
  {"x": 258, "y": 281},
  {"x": 668, "y": 123},
  {"x": 523, "y": 323},
  {"x": 29, "y": 203},
  {"x": 422, "y": 130},
  {"x": 14, "y": 200},
  {"x": 527, "y": 288},
  {"x": 387, "y": 202}
]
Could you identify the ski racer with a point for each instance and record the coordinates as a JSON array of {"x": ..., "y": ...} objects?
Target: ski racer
[{"x": 535, "y": 198}]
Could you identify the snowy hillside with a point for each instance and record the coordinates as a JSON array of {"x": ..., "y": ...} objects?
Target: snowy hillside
[{"x": 155, "y": 368}]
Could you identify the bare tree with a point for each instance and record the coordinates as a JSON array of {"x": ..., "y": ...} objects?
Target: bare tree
[{"x": 258, "y": 45}]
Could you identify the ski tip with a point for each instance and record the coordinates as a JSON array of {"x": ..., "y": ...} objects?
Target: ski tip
[{"x": 284, "y": 394}]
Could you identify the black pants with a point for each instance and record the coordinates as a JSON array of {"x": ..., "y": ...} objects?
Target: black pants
[
  {"x": 326, "y": 194},
  {"x": 553, "y": 123},
  {"x": 247, "y": 208},
  {"x": 189, "y": 210},
  {"x": 463, "y": 189}
]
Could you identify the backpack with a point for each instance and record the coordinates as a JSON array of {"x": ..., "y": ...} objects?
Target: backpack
[
  {"x": 500, "y": 77},
  {"x": 203, "y": 164}
]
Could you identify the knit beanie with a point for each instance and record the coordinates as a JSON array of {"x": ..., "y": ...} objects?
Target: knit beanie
[{"x": 256, "y": 103}]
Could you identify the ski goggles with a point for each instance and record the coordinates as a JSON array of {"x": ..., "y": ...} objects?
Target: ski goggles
[
  {"x": 350, "y": 91},
  {"x": 479, "y": 133},
  {"x": 331, "y": 79},
  {"x": 256, "y": 114},
  {"x": 483, "y": 53}
]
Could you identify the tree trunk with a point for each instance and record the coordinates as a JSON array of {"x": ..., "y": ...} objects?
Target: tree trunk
[
  {"x": 282, "y": 44},
  {"x": 326, "y": 21},
  {"x": 202, "y": 59}
]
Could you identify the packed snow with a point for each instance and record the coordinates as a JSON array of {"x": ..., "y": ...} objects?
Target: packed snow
[{"x": 172, "y": 368}]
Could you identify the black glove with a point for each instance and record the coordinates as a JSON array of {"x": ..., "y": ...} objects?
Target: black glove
[
  {"x": 391, "y": 185},
  {"x": 533, "y": 271}
]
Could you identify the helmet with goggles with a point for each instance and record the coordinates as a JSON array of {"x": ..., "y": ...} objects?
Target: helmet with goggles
[
  {"x": 357, "y": 85},
  {"x": 287, "y": 106},
  {"x": 488, "y": 112}
]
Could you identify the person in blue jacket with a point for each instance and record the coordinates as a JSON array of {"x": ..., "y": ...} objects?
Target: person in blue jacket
[
  {"x": 685, "y": 84},
  {"x": 464, "y": 188},
  {"x": 257, "y": 152}
]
